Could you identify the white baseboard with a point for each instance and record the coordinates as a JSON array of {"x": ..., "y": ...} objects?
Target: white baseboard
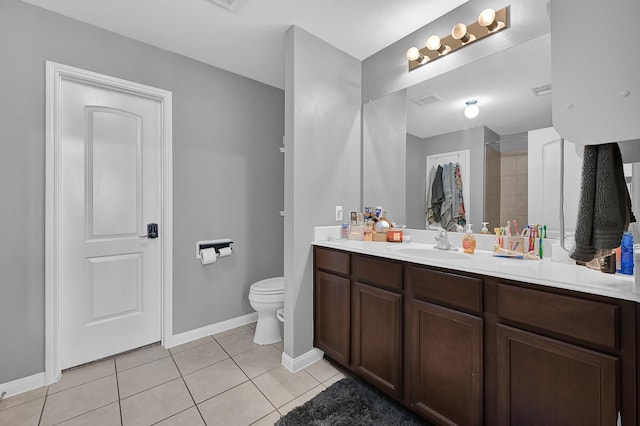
[
  {"x": 301, "y": 362},
  {"x": 219, "y": 327},
  {"x": 22, "y": 385}
]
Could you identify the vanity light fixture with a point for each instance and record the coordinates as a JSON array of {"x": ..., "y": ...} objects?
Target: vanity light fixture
[
  {"x": 489, "y": 22},
  {"x": 472, "y": 109}
]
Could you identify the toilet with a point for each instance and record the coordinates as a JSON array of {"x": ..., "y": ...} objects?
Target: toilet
[{"x": 266, "y": 297}]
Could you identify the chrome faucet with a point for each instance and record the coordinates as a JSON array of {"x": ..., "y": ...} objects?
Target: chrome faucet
[{"x": 442, "y": 241}]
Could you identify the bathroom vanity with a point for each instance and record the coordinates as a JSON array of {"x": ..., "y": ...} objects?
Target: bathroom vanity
[{"x": 472, "y": 339}]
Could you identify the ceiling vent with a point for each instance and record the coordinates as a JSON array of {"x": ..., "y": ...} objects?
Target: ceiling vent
[
  {"x": 227, "y": 4},
  {"x": 427, "y": 99},
  {"x": 542, "y": 90}
]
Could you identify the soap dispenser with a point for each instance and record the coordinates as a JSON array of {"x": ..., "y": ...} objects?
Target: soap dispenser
[
  {"x": 484, "y": 229},
  {"x": 469, "y": 241}
]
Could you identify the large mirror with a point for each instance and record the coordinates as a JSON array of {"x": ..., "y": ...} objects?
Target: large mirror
[{"x": 512, "y": 88}]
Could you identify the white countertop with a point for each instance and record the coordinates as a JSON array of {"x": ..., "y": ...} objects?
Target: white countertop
[{"x": 544, "y": 272}]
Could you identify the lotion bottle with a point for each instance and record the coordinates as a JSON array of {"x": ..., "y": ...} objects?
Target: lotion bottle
[
  {"x": 626, "y": 255},
  {"x": 469, "y": 241}
]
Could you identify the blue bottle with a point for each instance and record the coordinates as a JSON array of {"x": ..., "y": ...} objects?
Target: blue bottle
[{"x": 626, "y": 254}]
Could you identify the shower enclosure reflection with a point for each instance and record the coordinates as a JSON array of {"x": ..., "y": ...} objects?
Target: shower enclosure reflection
[{"x": 506, "y": 181}]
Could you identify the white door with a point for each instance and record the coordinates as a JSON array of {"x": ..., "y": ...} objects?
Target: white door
[
  {"x": 544, "y": 177},
  {"x": 110, "y": 182}
]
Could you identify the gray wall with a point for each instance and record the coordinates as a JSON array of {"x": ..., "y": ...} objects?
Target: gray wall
[
  {"x": 322, "y": 164},
  {"x": 228, "y": 173},
  {"x": 416, "y": 183},
  {"x": 384, "y": 133}
]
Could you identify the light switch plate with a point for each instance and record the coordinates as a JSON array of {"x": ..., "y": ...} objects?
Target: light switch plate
[{"x": 338, "y": 213}]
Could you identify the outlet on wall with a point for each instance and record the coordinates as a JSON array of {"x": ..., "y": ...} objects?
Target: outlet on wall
[{"x": 338, "y": 213}]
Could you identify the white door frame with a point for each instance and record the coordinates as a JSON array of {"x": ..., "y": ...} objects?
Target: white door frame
[{"x": 55, "y": 74}]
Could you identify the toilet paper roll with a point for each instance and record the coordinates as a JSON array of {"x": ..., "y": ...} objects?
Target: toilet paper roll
[
  {"x": 225, "y": 251},
  {"x": 208, "y": 256}
]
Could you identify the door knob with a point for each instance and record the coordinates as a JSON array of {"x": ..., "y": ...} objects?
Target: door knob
[{"x": 152, "y": 231}]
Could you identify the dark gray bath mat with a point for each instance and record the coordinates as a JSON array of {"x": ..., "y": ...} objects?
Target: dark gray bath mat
[{"x": 350, "y": 403}]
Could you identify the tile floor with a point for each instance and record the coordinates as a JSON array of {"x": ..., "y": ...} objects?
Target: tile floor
[{"x": 223, "y": 379}]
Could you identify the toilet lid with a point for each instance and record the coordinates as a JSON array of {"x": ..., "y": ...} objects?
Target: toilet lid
[{"x": 269, "y": 286}]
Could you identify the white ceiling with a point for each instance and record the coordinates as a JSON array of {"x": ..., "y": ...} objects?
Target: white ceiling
[{"x": 249, "y": 40}]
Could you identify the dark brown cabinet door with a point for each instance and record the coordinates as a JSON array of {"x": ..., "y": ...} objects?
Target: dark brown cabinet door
[
  {"x": 331, "y": 319},
  {"x": 543, "y": 381},
  {"x": 377, "y": 337},
  {"x": 446, "y": 364}
]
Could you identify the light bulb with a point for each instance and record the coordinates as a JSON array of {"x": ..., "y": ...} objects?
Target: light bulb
[
  {"x": 413, "y": 54},
  {"x": 487, "y": 17},
  {"x": 471, "y": 110},
  {"x": 433, "y": 42},
  {"x": 459, "y": 32}
]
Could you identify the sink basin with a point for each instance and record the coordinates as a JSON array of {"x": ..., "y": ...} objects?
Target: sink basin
[{"x": 430, "y": 253}]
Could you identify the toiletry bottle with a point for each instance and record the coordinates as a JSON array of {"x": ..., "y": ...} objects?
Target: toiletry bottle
[
  {"x": 484, "y": 229},
  {"x": 344, "y": 231},
  {"x": 626, "y": 254},
  {"x": 469, "y": 241}
]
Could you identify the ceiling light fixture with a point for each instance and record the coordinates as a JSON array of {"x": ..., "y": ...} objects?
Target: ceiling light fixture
[
  {"x": 472, "y": 109},
  {"x": 489, "y": 22}
]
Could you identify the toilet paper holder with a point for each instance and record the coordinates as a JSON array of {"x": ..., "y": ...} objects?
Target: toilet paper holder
[{"x": 216, "y": 244}]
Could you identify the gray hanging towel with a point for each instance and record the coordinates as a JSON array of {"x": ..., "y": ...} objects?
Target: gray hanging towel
[
  {"x": 604, "y": 210},
  {"x": 429, "y": 210},
  {"x": 437, "y": 194}
]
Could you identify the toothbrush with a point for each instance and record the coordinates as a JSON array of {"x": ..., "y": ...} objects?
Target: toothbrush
[
  {"x": 540, "y": 241},
  {"x": 532, "y": 236},
  {"x": 515, "y": 227},
  {"x": 545, "y": 231}
]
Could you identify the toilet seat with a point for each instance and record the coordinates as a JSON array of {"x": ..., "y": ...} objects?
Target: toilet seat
[{"x": 268, "y": 286}]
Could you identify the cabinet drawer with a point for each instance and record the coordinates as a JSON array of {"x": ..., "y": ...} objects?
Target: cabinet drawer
[
  {"x": 449, "y": 289},
  {"x": 332, "y": 260},
  {"x": 586, "y": 320},
  {"x": 379, "y": 272}
]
